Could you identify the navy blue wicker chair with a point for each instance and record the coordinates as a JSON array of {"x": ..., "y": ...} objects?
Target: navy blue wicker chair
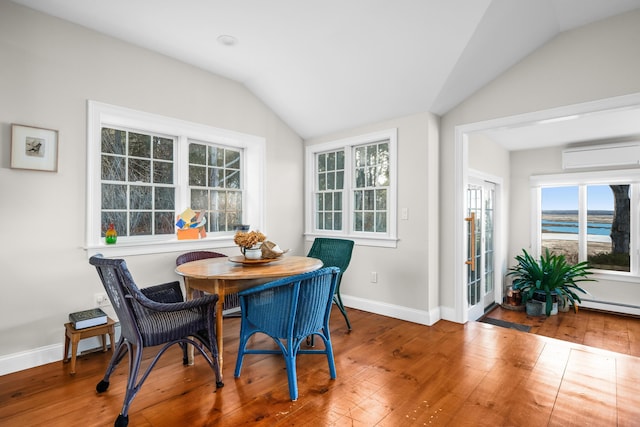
[
  {"x": 231, "y": 301},
  {"x": 153, "y": 316},
  {"x": 334, "y": 253},
  {"x": 289, "y": 310}
]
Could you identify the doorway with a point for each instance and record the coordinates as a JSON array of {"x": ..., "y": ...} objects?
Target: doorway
[{"x": 481, "y": 247}]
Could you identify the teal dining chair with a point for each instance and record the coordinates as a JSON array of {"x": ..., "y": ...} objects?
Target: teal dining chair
[{"x": 334, "y": 253}]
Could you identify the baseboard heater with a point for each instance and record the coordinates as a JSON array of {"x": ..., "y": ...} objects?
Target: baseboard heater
[{"x": 611, "y": 306}]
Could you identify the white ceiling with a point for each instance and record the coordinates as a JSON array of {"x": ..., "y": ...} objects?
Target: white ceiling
[{"x": 323, "y": 66}]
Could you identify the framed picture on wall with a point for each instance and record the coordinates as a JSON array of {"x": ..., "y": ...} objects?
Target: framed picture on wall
[{"x": 34, "y": 148}]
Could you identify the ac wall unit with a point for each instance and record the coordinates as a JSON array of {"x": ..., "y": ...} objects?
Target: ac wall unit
[{"x": 598, "y": 156}]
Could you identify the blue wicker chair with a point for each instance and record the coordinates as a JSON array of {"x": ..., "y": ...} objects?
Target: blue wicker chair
[
  {"x": 231, "y": 301},
  {"x": 153, "y": 316},
  {"x": 289, "y": 310},
  {"x": 334, "y": 253}
]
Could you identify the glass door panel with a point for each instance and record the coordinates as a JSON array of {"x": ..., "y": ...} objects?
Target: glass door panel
[{"x": 480, "y": 247}]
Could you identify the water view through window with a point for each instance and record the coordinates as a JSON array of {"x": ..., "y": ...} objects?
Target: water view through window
[{"x": 607, "y": 225}]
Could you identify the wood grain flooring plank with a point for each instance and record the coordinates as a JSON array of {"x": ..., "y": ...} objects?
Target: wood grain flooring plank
[
  {"x": 587, "y": 395},
  {"x": 627, "y": 391}
]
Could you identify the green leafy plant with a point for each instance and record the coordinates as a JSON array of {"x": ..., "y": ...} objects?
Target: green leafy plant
[{"x": 552, "y": 276}]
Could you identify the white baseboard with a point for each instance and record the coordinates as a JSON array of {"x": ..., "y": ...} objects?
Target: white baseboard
[
  {"x": 390, "y": 310},
  {"x": 48, "y": 354},
  {"x": 448, "y": 313},
  {"x": 30, "y": 358}
]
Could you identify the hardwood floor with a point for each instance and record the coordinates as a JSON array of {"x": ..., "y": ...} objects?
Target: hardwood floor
[
  {"x": 589, "y": 327},
  {"x": 390, "y": 373}
]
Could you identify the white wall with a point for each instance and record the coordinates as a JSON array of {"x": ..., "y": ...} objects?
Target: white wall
[
  {"x": 597, "y": 61},
  {"x": 49, "y": 69},
  {"x": 488, "y": 157},
  {"x": 407, "y": 275}
]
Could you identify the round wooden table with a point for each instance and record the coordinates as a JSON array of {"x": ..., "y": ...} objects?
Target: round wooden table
[{"x": 222, "y": 276}]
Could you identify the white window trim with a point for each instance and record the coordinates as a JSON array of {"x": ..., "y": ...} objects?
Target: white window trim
[
  {"x": 99, "y": 114},
  {"x": 389, "y": 239},
  {"x": 622, "y": 176}
]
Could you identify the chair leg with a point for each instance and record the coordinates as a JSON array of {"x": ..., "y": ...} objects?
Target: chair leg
[
  {"x": 211, "y": 344},
  {"x": 118, "y": 353},
  {"x": 241, "y": 349},
  {"x": 332, "y": 364},
  {"x": 121, "y": 421},
  {"x": 205, "y": 345},
  {"x": 338, "y": 301},
  {"x": 290, "y": 360},
  {"x": 135, "y": 358},
  {"x": 185, "y": 353}
]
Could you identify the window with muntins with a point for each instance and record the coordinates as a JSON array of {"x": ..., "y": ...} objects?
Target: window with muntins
[
  {"x": 143, "y": 170},
  {"x": 591, "y": 218},
  {"x": 370, "y": 195},
  {"x": 330, "y": 186},
  {"x": 351, "y": 189},
  {"x": 137, "y": 183},
  {"x": 215, "y": 184}
]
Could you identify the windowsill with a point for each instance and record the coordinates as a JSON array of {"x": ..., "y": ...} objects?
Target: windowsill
[
  {"x": 158, "y": 246},
  {"x": 612, "y": 277},
  {"x": 380, "y": 242}
]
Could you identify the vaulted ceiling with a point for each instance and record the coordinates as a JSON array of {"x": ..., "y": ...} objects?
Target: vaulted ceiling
[{"x": 323, "y": 66}]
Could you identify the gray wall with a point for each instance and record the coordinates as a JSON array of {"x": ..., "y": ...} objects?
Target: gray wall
[{"x": 49, "y": 69}]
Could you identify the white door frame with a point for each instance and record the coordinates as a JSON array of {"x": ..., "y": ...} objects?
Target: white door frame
[{"x": 499, "y": 228}]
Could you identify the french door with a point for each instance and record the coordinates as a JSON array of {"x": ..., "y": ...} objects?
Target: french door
[{"x": 481, "y": 271}]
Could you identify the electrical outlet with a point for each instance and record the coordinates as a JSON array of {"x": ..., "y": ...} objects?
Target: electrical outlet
[
  {"x": 101, "y": 300},
  {"x": 374, "y": 277}
]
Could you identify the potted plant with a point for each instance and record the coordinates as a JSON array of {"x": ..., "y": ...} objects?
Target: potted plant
[{"x": 550, "y": 277}]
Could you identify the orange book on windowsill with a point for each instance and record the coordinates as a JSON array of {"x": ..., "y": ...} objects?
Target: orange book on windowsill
[{"x": 191, "y": 233}]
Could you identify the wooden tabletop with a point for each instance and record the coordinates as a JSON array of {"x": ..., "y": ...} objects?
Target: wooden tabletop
[{"x": 225, "y": 269}]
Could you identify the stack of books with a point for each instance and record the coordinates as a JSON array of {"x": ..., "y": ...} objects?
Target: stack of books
[{"x": 88, "y": 318}]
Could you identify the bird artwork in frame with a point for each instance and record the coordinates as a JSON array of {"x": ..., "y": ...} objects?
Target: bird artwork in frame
[{"x": 34, "y": 148}]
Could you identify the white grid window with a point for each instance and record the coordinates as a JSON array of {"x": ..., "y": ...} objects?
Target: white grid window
[
  {"x": 215, "y": 184},
  {"x": 144, "y": 169},
  {"x": 371, "y": 192},
  {"x": 330, "y": 186},
  {"x": 591, "y": 216},
  {"x": 351, "y": 189},
  {"x": 137, "y": 183}
]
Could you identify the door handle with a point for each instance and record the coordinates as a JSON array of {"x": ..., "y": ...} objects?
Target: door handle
[{"x": 472, "y": 241}]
